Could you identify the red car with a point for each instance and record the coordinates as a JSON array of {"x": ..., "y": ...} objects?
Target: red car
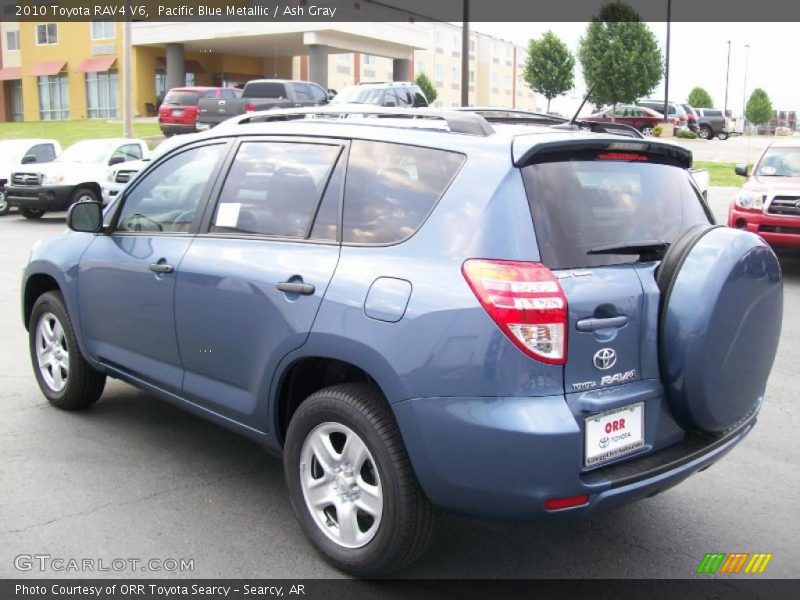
[
  {"x": 178, "y": 112},
  {"x": 769, "y": 202},
  {"x": 643, "y": 119}
]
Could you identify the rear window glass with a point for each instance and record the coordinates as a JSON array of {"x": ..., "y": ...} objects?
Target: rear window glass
[
  {"x": 582, "y": 205},
  {"x": 391, "y": 188},
  {"x": 182, "y": 98},
  {"x": 265, "y": 89}
]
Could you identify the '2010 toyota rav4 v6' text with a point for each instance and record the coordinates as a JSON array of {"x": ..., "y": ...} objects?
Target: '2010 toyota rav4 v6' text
[{"x": 500, "y": 321}]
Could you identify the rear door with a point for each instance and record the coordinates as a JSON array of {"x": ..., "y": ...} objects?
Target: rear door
[
  {"x": 249, "y": 287},
  {"x": 583, "y": 206}
]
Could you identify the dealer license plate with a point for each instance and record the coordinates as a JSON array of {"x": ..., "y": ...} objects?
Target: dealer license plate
[{"x": 614, "y": 433}]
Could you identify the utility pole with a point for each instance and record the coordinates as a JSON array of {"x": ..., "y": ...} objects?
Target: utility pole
[
  {"x": 465, "y": 56},
  {"x": 127, "y": 75},
  {"x": 744, "y": 87},
  {"x": 666, "y": 71},
  {"x": 727, "y": 76}
]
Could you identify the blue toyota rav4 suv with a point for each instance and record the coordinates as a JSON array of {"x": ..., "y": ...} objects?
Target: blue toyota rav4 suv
[{"x": 502, "y": 321}]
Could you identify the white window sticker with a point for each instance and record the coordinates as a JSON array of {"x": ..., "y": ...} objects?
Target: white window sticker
[{"x": 228, "y": 214}]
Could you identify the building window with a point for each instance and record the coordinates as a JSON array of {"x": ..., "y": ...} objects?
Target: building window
[
  {"x": 101, "y": 95},
  {"x": 369, "y": 59},
  {"x": 53, "y": 97},
  {"x": 46, "y": 33},
  {"x": 103, "y": 30},
  {"x": 439, "y": 38},
  {"x": 472, "y": 45},
  {"x": 494, "y": 79},
  {"x": 420, "y": 66},
  {"x": 455, "y": 74},
  {"x": 343, "y": 58},
  {"x": 456, "y": 42},
  {"x": 472, "y": 76},
  {"x": 16, "y": 100},
  {"x": 161, "y": 86},
  {"x": 12, "y": 40},
  {"x": 439, "y": 72}
]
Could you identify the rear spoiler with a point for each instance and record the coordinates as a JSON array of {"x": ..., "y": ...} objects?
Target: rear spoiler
[{"x": 570, "y": 149}]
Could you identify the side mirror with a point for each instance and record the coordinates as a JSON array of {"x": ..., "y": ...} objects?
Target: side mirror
[
  {"x": 741, "y": 170},
  {"x": 28, "y": 159},
  {"x": 85, "y": 217},
  {"x": 115, "y": 160}
]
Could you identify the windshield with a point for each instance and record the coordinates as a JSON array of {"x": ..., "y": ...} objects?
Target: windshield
[
  {"x": 582, "y": 205},
  {"x": 359, "y": 95},
  {"x": 10, "y": 150},
  {"x": 780, "y": 162},
  {"x": 87, "y": 151}
]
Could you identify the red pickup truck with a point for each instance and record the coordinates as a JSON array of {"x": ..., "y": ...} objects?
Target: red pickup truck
[
  {"x": 769, "y": 202},
  {"x": 178, "y": 112}
]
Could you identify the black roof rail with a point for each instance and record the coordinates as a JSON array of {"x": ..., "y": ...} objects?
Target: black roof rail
[
  {"x": 601, "y": 127},
  {"x": 457, "y": 122}
]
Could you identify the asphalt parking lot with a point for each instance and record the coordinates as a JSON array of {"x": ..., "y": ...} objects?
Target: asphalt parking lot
[{"x": 137, "y": 478}]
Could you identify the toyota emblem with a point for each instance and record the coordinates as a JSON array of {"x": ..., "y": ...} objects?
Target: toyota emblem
[{"x": 605, "y": 358}]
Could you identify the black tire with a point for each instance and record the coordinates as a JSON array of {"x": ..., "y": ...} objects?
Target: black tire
[
  {"x": 705, "y": 132},
  {"x": 722, "y": 136},
  {"x": 32, "y": 213},
  {"x": 84, "y": 385},
  {"x": 83, "y": 194},
  {"x": 4, "y": 207},
  {"x": 408, "y": 518}
]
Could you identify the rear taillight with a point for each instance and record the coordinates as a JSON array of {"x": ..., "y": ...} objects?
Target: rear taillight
[
  {"x": 249, "y": 107},
  {"x": 526, "y": 301}
]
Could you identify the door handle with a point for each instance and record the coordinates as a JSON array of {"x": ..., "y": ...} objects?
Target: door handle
[
  {"x": 161, "y": 268},
  {"x": 594, "y": 324},
  {"x": 296, "y": 287}
]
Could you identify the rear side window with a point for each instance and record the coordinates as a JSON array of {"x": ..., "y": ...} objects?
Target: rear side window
[
  {"x": 176, "y": 98},
  {"x": 265, "y": 89},
  {"x": 713, "y": 113},
  {"x": 391, "y": 188},
  {"x": 582, "y": 205},
  {"x": 274, "y": 188}
]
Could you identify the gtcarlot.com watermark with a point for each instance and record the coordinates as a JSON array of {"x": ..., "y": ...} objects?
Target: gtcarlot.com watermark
[{"x": 57, "y": 564}]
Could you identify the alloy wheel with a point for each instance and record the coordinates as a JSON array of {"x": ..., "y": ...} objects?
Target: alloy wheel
[{"x": 51, "y": 352}]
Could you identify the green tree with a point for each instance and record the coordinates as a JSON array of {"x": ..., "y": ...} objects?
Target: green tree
[
  {"x": 620, "y": 56},
  {"x": 700, "y": 98},
  {"x": 426, "y": 85},
  {"x": 759, "y": 107},
  {"x": 549, "y": 67}
]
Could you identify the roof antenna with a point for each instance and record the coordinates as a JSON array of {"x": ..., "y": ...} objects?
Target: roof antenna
[{"x": 580, "y": 108}]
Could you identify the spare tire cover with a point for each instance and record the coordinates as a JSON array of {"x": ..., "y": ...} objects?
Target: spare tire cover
[{"x": 719, "y": 326}]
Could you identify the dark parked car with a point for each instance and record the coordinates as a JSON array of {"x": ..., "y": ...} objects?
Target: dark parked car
[
  {"x": 519, "y": 323},
  {"x": 691, "y": 116},
  {"x": 401, "y": 94},
  {"x": 261, "y": 94},
  {"x": 181, "y": 106},
  {"x": 639, "y": 117},
  {"x": 712, "y": 122}
]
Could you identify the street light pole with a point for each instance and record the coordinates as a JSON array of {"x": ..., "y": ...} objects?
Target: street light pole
[
  {"x": 727, "y": 76},
  {"x": 744, "y": 87},
  {"x": 666, "y": 69}
]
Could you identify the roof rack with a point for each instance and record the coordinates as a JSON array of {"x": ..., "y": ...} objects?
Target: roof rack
[{"x": 457, "y": 122}]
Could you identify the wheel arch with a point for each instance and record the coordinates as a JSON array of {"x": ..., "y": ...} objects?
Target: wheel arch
[
  {"x": 312, "y": 369},
  {"x": 91, "y": 185},
  {"x": 36, "y": 285}
]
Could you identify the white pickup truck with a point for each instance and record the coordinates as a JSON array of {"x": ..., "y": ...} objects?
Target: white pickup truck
[
  {"x": 16, "y": 152},
  {"x": 76, "y": 176}
]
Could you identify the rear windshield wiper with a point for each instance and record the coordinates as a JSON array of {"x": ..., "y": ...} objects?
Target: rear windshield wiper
[{"x": 646, "y": 249}]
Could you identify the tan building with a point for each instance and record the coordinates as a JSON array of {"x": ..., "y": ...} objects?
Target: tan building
[{"x": 72, "y": 70}]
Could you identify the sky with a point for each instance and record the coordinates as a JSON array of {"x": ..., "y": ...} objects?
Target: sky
[{"x": 698, "y": 56}]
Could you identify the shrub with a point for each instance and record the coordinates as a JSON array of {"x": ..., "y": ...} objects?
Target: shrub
[
  {"x": 685, "y": 134},
  {"x": 658, "y": 131}
]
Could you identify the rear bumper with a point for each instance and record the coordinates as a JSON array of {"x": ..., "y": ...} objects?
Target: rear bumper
[
  {"x": 783, "y": 232},
  {"x": 178, "y": 128},
  {"x": 51, "y": 197},
  {"x": 503, "y": 457}
]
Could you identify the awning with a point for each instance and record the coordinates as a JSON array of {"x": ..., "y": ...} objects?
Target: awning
[
  {"x": 10, "y": 73},
  {"x": 190, "y": 66},
  {"x": 96, "y": 65},
  {"x": 47, "y": 68}
]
